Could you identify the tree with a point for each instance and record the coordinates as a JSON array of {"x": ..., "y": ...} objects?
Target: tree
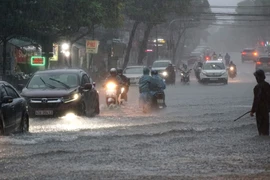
[
  {"x": 155, "y": 12},
  {"x": 12, "y": 24}
]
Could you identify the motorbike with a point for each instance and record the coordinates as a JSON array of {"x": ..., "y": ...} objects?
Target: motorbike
[
  {"x": 156, "y": 102},
  {"x": 113, "y": 96},
  {"x": 232, "y": 72},
  {"x": 185, "y": 76}
]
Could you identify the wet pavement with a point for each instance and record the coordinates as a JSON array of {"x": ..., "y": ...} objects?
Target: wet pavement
[{"x": 193, "y": 138}]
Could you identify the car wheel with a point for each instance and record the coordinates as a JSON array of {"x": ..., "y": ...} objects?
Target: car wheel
[
  {"x": 97, "y": 110},
  {"x": 82, "y": 109},
  {"x": 25, "y": 123},
  {"x": 2, "y": 130}
]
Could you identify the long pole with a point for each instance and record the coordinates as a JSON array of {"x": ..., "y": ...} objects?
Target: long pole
[{"x": 242, "y": 116}]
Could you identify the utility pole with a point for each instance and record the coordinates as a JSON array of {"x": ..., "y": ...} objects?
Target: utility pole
[{"x": 157, "y": 43}]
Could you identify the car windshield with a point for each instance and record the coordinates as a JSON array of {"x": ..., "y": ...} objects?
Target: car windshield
[
  {"x": 160, "y": 64},
  {"x": 213, "y": 66},
  {"x": 53, "y": 80},
  {"x": 134, "y": 70}
]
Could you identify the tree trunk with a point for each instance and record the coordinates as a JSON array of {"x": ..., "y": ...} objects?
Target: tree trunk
[
  {"x": 177, "y": 45},
  {"x": 4, "y": 54},
  {"x": 143, "y": 46},
  {"x": 132, "y": 35}
]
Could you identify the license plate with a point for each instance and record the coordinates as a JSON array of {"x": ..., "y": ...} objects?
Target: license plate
[
  {"x": 213, "y": 79},
  {"x": 160, "y": 101},
  {"x": 44, "y": 113}
]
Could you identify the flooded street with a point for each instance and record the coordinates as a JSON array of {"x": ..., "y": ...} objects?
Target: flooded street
[{"x": 193, "y": 138}]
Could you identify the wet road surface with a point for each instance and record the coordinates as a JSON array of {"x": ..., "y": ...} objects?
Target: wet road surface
[{"x": 193, "y": 138}]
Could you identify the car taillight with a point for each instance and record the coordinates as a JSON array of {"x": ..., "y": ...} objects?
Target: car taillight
[
  {"x": 207, "y": 58},
  {"x": 258, "y": 62},
  {"x": 244, "y": 53},
  {"x": 255, "y": 54}
]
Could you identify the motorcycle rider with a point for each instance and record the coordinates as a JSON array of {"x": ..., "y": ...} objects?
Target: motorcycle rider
[
  {"x": 227, "y": 59},
  {"x": 171, "y": 72},
  {"x": 261, "y": 103},
  {"x": 126, "y": 82},
  {"x": 214, "y": 56},
  {"x": 197, "y": 70},
  {"x": 220, "y": 56},
  {"x": 231, "y": 64},
  {"x": 146, "y": 82},
  {"x": 161, "y": 84},
  {"x": 184, "y": 70},
  {"x": 113, "y": 77}
]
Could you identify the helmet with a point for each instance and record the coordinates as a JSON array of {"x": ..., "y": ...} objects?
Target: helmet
[
  {"x": 170, "y": 64},
  {"x": 146, "y": 71},
  {"x": 120, "y": 71},
  {"x": 113, "y": 72},
  {"x": 154, "y": 72},
  {"x": 259, "y": 74}
]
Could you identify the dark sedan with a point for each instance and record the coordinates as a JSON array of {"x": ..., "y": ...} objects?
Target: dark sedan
[
  {"x": 61, "y": 91},
  {"x": 13, "y": 110}
]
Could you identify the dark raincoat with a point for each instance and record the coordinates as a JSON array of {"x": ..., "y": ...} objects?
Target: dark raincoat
[{"x": 261, "y": 107}]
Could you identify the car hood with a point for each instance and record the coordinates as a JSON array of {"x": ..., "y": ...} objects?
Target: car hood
[
  {"x": 133, "y": 75},
  {"x": 159, "y": 68},
  {"x": 35, "y": 93},
  {"x": 220, "y": 71}
]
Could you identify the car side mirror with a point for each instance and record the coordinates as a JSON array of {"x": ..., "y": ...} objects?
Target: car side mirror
[
  {"x": 7, "y": 99},
  {"x": 87, "y": 86}
]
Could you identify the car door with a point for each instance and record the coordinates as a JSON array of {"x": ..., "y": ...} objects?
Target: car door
[
  {"x": 17, "y": 103},
  {"x": 8, "y": 110}
]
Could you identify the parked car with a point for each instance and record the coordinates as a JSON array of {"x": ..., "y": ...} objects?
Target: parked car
[
  {"x": 134, "y": 73},
  {"x": 61, "y": 91},
  {"x": 13, "y": 110}
]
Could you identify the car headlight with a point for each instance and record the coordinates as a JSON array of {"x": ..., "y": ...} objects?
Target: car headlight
[
  {"x": 165, "y": 74},
  {"x": 71, "y": 98},
  {"x": 111, "y": 86}
]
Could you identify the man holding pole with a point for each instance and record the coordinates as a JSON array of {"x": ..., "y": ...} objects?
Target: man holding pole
[{"x": 261, "y": 103}]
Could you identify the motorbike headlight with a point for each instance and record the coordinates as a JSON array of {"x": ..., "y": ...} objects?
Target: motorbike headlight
[
  {"x": 182, "y": 74},
  {"x": 122, "y": 90},
  {"x": 111, "y": 86},
  {"x": 231, "y": 68},
  {"x": 165, "y": 74}
]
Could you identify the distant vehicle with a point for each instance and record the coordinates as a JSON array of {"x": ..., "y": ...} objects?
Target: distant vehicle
[
  {"x": 194, "y": 57},
  {"x": 160, "y": 66},
  {"x": 249, "y": 54},
  {"x": 61, "y": 91},
  {"x": 134, "y": 73},
  {"x": 214, "y": 71},
  {"x": 13, "y": 110},
  {"x": 263, "y": 63}
]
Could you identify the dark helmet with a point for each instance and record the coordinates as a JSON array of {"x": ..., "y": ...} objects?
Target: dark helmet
[
  {"x": 170, "y": 64},
  {"x": 146, "y": 71},
  {"x": 154, "y": 72},
  {"x": 259, "y": 74},
  {"x": 120, "y": 71},
  {"x": 113, "y": 72},
  {"x": 231, "y": 62}
]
